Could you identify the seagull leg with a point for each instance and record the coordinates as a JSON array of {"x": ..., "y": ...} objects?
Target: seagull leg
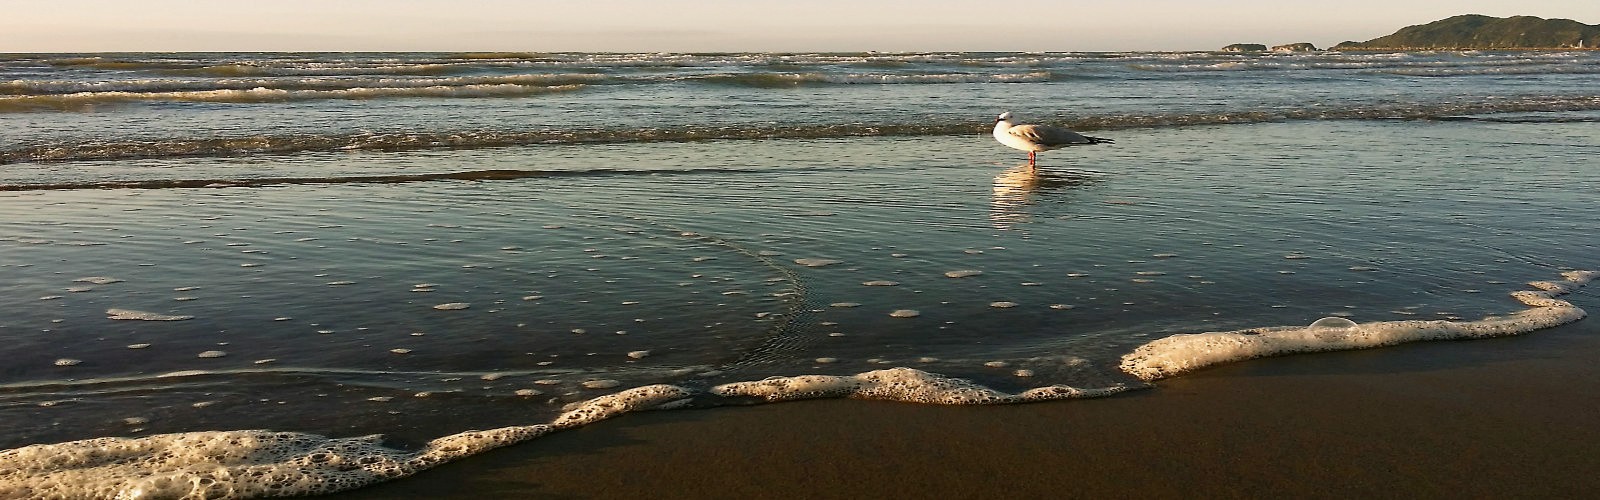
[{"x": 1030, "y": 158}]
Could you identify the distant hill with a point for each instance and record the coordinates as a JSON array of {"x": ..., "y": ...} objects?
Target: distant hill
[{"x": 1485, "y": 32}]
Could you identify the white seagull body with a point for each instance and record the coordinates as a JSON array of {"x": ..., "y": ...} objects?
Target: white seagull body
[{"x": 1036, "y": 138}]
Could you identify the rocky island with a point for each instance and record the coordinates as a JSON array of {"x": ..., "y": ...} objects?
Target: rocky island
[
  {"x": 1469, "y": 32},
  {"x": 1245, "y": 47},
  {"x": 1295, "y": 47},
  {"x": 1257, "y": 47}
]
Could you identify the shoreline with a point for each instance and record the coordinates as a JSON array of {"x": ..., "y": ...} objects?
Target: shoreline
[{"x": 1493, "y": 417}]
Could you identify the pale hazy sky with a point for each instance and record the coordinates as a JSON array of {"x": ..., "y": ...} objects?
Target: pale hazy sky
[{"x": 721, "y": 25}]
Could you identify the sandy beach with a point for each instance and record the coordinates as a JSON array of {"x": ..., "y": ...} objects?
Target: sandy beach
[{"x": 1510, "y": 417}]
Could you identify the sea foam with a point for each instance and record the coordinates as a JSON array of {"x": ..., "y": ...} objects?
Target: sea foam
[
  {"x": 1187, "y": 352},
  {"x": 228, "y": 464},
  {"x": 898, "y": 384},
  {"x": 261, "y": 463}
]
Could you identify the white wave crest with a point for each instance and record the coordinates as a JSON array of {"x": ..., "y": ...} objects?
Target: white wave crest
[
  {"x": 148, "y": 85},
  {"x": 83, "y": 100}
]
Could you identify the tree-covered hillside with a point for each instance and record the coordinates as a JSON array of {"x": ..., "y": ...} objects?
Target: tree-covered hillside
[{"x": 1484, "y": 32}]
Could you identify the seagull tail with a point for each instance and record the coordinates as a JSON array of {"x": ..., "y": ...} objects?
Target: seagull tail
[{"x": 1099, "y": 140}]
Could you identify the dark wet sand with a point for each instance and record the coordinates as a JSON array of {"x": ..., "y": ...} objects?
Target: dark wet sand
[{"x": 1513, "y": 417}]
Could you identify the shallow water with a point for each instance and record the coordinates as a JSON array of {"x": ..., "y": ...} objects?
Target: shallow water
[
  {"x": 332, "y": 288},
  {"x": 369, "y": 291}
]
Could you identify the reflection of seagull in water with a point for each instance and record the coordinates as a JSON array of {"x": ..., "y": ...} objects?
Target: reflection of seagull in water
[
  {"x": 1036, "y": 138},
  {"x": 1016, "y": 187}
]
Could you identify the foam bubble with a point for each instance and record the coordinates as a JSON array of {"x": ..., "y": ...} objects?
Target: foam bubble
[
  {"x": 816, "y": 262},
  {"x": 1186, "y": 352},
  {"x": 603, "y": 407},
  {"x": 68, "y": 362},
  {"x": 1333, "y": 322},
  {"x": 638, "y": 354},
  {"x": 881, "y": 283},
  {"x": 129, "y": 314},
  {"x": 905, "y": 313},
  {"x": 962, "y": 273},
  {"x": 845, "y": 304},
  {"x": 212, "y": 354},
  {"x": 1003, "y": 305},
  {"x": 452, "y": 306},
  {"x": 98, "y": 280}
]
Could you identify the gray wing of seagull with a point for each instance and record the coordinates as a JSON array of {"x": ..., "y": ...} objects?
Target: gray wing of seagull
[{"x": 1052, "y": 137}]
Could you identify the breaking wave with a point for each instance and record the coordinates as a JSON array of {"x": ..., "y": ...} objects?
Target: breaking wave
[
  {"x": 89, "y": 100},
  {"x": 161, "y": 85},
  {"x": 473, "y": 175},
  {"x": 398, "y": 141},
  {"x": 69, "y": 95},
  {"x": 766, "y": 80}
]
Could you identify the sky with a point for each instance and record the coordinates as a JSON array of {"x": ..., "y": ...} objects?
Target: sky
[{"x": 722, "y": 25}]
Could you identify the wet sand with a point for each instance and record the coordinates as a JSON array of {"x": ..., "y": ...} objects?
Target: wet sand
[{"x": 1512, "y": 417}]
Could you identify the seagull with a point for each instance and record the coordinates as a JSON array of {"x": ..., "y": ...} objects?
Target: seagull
[{"x": 1036, "y": 138}]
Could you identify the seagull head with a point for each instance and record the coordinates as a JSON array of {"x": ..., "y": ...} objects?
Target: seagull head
[{"x": 1004, "y": 117}]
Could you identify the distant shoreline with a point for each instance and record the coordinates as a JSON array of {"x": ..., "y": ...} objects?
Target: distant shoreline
[
  {"x": 1435, "y": 49},
  {"x": 1062, "y": 51}
]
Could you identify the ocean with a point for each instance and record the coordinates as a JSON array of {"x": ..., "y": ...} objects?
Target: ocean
[{"x": 267, "y": 274}]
